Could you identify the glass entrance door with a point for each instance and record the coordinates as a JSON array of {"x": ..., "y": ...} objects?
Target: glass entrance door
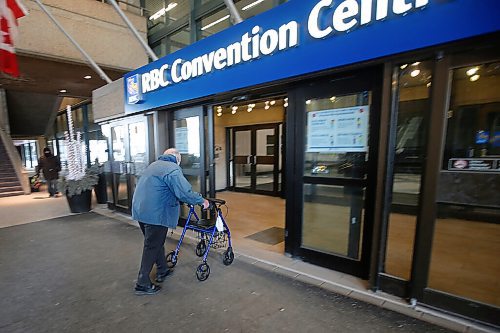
[
  {"x": 188, "y": 137},
  {"x": 129, "y": 157},
  {"x": 335, "y": 192},
  {"x": 256, "y": 159}
]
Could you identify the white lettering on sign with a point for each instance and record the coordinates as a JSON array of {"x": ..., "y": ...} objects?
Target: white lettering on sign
[
  {"x": 251, "y": 46},
  {"x": 350, "y": 13},
  {"x": 325, "y": 19}
]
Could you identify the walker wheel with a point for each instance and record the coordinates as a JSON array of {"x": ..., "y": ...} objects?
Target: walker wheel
[
  {"x": 171, "y": 259},
  {"x": 203, "y": 271},
  {"x": 228, "y": 256},
  {"x": 201, "y": 248}
]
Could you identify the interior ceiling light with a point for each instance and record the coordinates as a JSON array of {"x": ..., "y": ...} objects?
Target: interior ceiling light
[
  {"x": 251, "y": 105},
  {"x": 255, "y": 3},
  {"x": 286, "y": 104},
  {"x": 215, "y": 22},
  {"x": 472, "y": 71},
  {"x": 87, "y": 77},
  {"x": 273, "y": 102},
  {"x": 415, "y": 72},
  {"x": 333, "y": 98},
  {"x": 428, "y": 85},
  {"x": 162, "y": 11},
  {"x": 403, "y": 66},
  {"x": 308, "y": 101},
  {"x": 219, "y": 114},
  {"x": 267, "y": 105},
  {"x": 475, "y": 77},
  {"x": 416, "y": 63},
  {"x": 63, "y": 91}
]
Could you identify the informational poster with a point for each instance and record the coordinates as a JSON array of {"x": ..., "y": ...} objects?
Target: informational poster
[
  {"x": 474, "y": 164},
  {"x": 338, "y": 130},
  {"x": 181, "y": 140}
]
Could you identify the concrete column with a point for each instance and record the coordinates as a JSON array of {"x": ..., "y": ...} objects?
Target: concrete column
[{"x": 4, "y": 114}]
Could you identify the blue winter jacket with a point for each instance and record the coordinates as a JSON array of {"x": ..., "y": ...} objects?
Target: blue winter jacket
[{"x": 159, "y": 190}]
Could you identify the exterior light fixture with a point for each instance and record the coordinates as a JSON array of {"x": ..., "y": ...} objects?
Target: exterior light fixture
[
  {"x": 472, "y": 71},
  {"x": 87, "y": 77},
  {"x": 215, "y": 22},
  {"x": 415, "y": 72},
  {"x": 255, "y": 3},
  {"x": 62, "y": 91},
  {"x": 475, "y": 77},
  {"x": 162, "y": 11}
]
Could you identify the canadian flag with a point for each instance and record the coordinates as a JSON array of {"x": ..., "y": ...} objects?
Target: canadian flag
[{"x": 10, "y": 11}]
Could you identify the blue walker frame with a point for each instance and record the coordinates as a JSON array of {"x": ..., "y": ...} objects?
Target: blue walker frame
[{"x": 206, "y": 233}]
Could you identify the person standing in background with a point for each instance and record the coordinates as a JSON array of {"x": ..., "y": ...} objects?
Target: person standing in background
[{"x": 50, "y": 166}]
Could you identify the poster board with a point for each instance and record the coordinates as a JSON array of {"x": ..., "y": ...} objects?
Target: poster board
[
  {"x": 338, "y": 130},
  {"x": 181, "y": 139}
]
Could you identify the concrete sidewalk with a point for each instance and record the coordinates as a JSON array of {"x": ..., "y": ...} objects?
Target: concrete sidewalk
[
  {"x": 77, "y": 273},
  {"x": 37, "y": 206}
]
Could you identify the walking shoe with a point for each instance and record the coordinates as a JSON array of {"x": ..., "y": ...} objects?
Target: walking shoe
[
  {"x": 161, "y": 277},
  {"x": 153, "y": 289}
]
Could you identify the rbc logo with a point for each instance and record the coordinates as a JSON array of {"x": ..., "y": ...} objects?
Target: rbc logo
[{"x": 134, "y": 94}]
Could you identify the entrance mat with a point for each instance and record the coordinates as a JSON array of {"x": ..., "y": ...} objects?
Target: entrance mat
[{"x": 271, "y": 236}]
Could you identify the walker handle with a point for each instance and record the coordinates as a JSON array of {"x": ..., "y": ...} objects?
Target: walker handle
[{"x": 217, "y": 201}]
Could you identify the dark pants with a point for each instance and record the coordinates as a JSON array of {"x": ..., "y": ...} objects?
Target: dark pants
[
  {"x": 52, "y": 185},
  {"x": 153, "y": 252}
]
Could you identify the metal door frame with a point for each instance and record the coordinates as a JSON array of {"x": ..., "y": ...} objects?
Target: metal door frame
[
  {"x": 366, "y": 80},
  {"x": 253, "y": 154}
]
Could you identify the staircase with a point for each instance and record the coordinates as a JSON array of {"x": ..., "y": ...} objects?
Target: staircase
[{"x": 9, "y": 184}]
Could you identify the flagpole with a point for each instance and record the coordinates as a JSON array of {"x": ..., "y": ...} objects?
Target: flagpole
[{"x": 82, "y": 51}]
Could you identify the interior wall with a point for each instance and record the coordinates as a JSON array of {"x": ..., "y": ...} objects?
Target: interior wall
[{"x": 259, "y": 115}]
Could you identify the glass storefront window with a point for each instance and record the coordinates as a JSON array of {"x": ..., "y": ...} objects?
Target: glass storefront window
[
  {"x": 214, "y": 23},
  {"x": 332, "y": 150},
  {"x": 414, "y": 87},
  {"x": 250, "y": 8},
  {"x": 466, "y": 243},
  {"x": 337, "y": 145},
  {"x": 178, "y": 40},
  {"x": 162, "y": 13},
  {"x": 474, "y": 116},
  {"x": 98, "y": 147}
]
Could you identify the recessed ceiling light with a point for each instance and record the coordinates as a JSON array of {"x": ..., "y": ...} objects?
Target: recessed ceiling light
[
  {"x": 415, "y": 72},
  {"x": 472, "y": 71},
  {"x": 87, "y": 77},
  {"x": 63, "y": 91},
  {"x": 475, "y": 77}
]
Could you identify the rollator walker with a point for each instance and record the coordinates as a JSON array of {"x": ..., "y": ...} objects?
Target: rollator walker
[{"x": 211, "y": 233}]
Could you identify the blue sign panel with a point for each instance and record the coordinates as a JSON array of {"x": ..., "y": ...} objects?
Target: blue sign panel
[
  {"x": 482, "y": 137},
  {"x": 305, "y": 36}
]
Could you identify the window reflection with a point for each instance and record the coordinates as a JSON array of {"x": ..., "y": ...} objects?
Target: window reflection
[
  {"x": 337, "y": 136},
  {"x": 414, "y": 84},
  {"x": 465, "y": 249}
]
